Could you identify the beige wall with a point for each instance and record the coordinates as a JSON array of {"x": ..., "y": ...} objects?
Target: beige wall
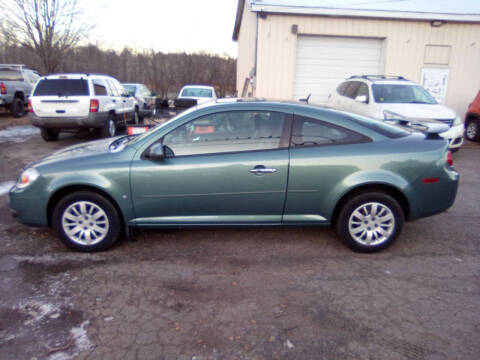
[
  {"x": 246, "y": 47},
  {"x": 405, "y": 43}
]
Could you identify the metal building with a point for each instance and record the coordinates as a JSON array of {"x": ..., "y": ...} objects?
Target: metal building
[{"x": 290, "y": 48}]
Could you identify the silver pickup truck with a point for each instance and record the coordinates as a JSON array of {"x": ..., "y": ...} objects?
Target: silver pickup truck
[{"x": 16, "y": 84}]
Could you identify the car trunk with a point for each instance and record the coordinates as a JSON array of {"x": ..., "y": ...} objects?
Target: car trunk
[{"x": 61, "y": 98}]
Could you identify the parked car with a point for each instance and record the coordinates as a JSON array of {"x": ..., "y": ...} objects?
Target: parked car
[
  {"x": 191, "y": 95},
  {"x": 472, "y": 120},
  {"x": 16, "y": 83},
  {"x": 395, "y": 99},
  {"x": 79, "y": 101},
  {"x": 243, "y": 163},
  {"x": 145, "y": 99}
]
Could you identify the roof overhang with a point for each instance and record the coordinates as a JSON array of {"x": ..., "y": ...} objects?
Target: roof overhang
[
  {"x": 379, "y": 14},
  {"x": 238, "y": 19}
]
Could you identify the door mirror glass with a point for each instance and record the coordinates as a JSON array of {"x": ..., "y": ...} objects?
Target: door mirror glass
[
  {"x": 361, "y": 98},
  {"x": 156, "y": 152}
]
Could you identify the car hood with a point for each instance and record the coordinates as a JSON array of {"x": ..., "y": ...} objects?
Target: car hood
[
  {"x": 77, "y": 151},
  {"x": 420, "y": 111}
]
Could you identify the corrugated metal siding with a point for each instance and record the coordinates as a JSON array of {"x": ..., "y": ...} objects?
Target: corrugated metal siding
[{"x": 404, "y": 51}]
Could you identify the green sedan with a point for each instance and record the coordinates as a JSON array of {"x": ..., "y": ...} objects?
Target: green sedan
[{"x": 237, "y": 163}]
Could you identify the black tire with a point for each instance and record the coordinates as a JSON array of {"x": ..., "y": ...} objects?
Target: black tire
[
  {"x": 17, "y": 108},
  {"x": 100, "y": 240},
  {"x": 370, "y": 226},
  {"x": 109, "y": 129},
  {"x": 472, "y": 130},
  {"x": 49, "y": 134}
]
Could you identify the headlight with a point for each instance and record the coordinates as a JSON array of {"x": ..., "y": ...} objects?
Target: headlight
[
  {"x": 391, "y": 116},
  {"x": 458, "y": 120},
  {"x": 27, "y": 178}
]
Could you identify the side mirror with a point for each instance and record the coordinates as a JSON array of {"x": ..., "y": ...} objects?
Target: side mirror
[
  {"x": 156, "y": 152},
  {"x": 362, "y": 99}
]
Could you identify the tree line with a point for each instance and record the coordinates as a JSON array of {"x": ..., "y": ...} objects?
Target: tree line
[{"x": 165, "y": 73}]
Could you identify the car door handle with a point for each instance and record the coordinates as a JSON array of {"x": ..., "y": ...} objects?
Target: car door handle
[
  {"x": 260, "y": 170},
  {"x": 114, "y": 100}
]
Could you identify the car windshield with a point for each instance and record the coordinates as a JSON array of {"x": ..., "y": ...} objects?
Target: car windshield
[
  {"x": 389, "y": 130},
  {"x": 10, "y": 75},
  {"x": 401, "y": 94},
  {"x": 62, "y": 87},
  {"x": 130, "y": 89},
  {"x": 197, "y": 92}
]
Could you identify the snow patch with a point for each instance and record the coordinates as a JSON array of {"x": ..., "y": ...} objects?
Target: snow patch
[
  {"x": 37, "y": 310},
  {"x": 17, "y": 134},
  {"x": 5, "y": 187},
  {"x": 80, "y": 337}
]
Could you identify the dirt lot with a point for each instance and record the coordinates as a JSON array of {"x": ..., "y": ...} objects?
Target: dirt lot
[{"x": 274, "y": 293}]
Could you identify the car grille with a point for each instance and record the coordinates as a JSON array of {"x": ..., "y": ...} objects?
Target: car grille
[{"x": 449, "y": 122}]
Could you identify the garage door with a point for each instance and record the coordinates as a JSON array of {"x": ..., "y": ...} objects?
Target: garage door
[{"x": 324, "y": 61}]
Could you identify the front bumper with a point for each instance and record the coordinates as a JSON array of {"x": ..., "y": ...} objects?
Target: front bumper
[
  {"x": 28, "y": 206},
  {"x": 92, "y": 120},
  {"x": 454, "y": 136}
]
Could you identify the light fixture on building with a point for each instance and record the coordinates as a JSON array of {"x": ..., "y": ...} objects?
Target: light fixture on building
[
  {"x": 437, "y": 23},
  {"x": 294, "y": 28}
]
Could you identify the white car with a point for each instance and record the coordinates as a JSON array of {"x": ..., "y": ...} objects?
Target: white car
[
  {"x": 199, "y": 93},
  {"x": 395, "y": 99},
  {"x": 79, "y": 101}
]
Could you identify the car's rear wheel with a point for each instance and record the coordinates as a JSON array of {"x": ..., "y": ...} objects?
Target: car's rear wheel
[
  {"x": 86, "y": 221},
  {"x": 472, "y": 131},
  {"x": 370, "y": 221},
  {"x": 17, "y": 108},
  {"x": 109, "y": 128},
  {"x": 49, "y": 134}
]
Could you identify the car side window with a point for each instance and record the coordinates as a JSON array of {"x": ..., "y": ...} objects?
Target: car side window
[
  {"x": 113, "y": 88},
  {"x": 225, "y": 132},
  {"x": 99, "y": 88},
  {"x": 352, "y": 89},
  {"x": 313, "y": 132},
  {"x": 341, "y": 88},
  {"x": 362, "y": 90}
]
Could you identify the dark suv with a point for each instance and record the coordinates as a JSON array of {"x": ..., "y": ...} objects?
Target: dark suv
[{"x": 472, "y": 120}]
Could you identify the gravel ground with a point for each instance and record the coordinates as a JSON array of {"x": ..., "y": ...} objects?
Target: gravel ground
[{"x": 257, "y": 293}]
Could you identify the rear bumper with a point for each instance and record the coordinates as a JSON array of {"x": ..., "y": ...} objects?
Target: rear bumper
[
  {"x": 6, "y": 100},
  {"x": 93, "y": 120}
]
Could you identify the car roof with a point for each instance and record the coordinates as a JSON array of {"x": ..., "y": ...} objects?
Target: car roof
[
  {"x": 198, "y": 86},
  {"x": 74, "y": 76},
  {"x": 384, "y": 79}
]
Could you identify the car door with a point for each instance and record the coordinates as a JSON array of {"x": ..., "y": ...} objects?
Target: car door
[
  {"x": 322, "y": 156},
  {"x": 221, "y": 168}
]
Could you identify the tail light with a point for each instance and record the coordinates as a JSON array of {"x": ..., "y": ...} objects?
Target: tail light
[
  {"x": 93, "y": 105},
  {"x": 30, "y": 109},
  {"x": 3, "y": 88},
  {"x": 449, "y": 158}
]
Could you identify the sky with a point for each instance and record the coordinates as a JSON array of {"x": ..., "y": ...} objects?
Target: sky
[{"x": 167, "y": 26}]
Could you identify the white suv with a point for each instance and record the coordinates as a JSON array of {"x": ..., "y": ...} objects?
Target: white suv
[
  {"x": 76, "y": 101},
  {"x": 395, "y": 99}
]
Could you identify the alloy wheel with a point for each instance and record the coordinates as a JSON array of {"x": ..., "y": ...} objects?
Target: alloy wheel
[
  {"x": 371, "y": 224},
  {"x": 85, "y": 223}
]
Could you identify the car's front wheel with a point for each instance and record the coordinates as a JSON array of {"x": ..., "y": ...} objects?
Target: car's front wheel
[
  {"x": 472, "y": 131},
  {"x": 370, "y": 221},
  {"x": 86, "y": 221}
]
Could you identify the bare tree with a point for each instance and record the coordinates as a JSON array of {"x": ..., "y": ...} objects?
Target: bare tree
[{"x": 49, "y": 28}]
